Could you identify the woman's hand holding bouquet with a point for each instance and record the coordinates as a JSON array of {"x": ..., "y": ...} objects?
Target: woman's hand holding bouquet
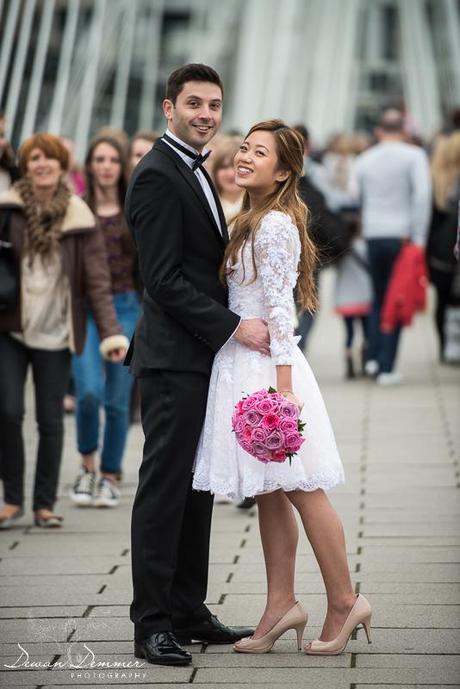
[{"x": 267, "y": 425}]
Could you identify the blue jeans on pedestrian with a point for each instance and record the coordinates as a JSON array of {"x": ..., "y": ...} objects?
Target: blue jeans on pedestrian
[
  {"x": 99, "y": 382},
  {"x": 383, "y": 347}
]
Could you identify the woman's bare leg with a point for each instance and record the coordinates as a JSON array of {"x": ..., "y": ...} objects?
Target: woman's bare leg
[
  {"x": 325, "y": 532},
  {"x": 279, "y": 535},
  {"x": 88, "y": 462}
]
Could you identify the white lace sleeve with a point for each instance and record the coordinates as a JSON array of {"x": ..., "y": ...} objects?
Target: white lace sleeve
[{"x": 277, "y": 252}]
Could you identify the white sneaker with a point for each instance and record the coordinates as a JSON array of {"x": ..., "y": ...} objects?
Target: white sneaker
[
  {"x": 82, "y": 490},
  {"x": 371, "y": 367},
  {"x": 107, "y": 494},
  {"x": 392, "y": 378}
]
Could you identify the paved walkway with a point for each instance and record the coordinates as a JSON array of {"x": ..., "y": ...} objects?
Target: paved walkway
[{"x": 65, "y": 594}]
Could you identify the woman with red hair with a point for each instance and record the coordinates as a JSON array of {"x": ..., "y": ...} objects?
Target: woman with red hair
[{"x": 61, "y": 263}]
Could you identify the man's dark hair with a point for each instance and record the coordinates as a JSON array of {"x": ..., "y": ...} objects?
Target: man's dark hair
[{"x": 190, "y": 72}]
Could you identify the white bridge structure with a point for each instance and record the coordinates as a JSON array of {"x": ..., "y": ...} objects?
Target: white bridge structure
[{"x": 72, "y": 66}]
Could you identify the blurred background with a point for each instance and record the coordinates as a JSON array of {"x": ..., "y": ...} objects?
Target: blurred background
[{"x": 72, "y": 66}]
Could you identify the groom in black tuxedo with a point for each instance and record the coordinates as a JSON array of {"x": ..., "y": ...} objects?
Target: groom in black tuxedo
[{"x": 180, "y": 232}]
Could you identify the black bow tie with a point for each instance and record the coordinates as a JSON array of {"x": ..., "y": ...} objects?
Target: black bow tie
[{"x": 197, "y": 158}]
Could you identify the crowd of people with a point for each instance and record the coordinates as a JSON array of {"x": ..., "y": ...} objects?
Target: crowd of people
[{"x": 79, "y": 288}]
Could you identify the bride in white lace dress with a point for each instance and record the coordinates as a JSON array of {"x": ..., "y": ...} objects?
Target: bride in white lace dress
[
  {"x": 269, "y": 255},
  {"x": 222, "y": 466}
]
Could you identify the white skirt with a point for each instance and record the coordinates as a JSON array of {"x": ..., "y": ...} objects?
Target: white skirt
[{"x": 223, "y": 467}]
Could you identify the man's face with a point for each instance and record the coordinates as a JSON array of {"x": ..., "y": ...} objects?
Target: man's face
[{"x": 197, "y": 113}]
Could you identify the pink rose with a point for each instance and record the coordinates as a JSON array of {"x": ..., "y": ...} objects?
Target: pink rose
[
  {"x": 239, "y": 407},
  {"x": 252, "y": 417},
  {"x": 288, "y": 425},
  {"x": 260, "y": 434},
  {"x": 247, "y": 434},
  {"x": 288, "y": 409},
  {"x": 293, "y": 442},
  {"x": 260, "y": 451},
  {"x": 279, "y": 455},
  {"x": 238, "y": 424},
  {"x": 266, "y": 406},
  {"x": 271, "y": 421},
  {"x": 248, "y": 403},
  {"x": 275, "y": 440},
  {"x": 247, "y": 447}
]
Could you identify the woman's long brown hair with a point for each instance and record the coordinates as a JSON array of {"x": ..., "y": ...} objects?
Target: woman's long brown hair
[
  {"x": 122, "y": 183},
  {"x": 285, "y": 198}
]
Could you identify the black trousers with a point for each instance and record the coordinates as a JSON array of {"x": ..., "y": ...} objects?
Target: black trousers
[
  {"x": 50, "y": 371},
  {"x": 442, "y": 282},
  {"x": 171, "y": 524}
]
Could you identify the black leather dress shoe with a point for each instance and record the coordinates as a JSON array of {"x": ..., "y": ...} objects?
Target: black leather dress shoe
[
  {"x": 162, "y": 648},
  {"x": 211, "y": 631}
]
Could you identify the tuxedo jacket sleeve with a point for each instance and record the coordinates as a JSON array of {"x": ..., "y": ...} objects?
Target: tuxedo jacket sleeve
[{"x": 179, "y": 258}]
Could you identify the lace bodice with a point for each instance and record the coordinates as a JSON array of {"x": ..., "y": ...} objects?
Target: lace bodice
[{"x": 270, "y": 296}]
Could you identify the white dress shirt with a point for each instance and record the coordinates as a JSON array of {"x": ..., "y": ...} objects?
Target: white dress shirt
[{"x": 198, "y": 173}]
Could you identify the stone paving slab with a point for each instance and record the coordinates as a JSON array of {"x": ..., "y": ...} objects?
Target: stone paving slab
[
  {"x": 89, "y": 582},
  {"x": 69, "y": 544},
  {"x": 409, "y": 530},
  {"x": 436, "y": 662},
  {"x": 29, "y": 612},
  {"x": 65, "y": 565},
  {"x": 419, "y": 554},
  {"x": 15, "y": 596},
  {"x": 263, "y": 676},
  {"x": 409, "y": 541}
]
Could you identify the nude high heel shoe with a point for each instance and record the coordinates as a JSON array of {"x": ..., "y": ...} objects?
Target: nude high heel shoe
[
  {"x": 360, "y": 613},
  {"x": 296, "y": 618}
]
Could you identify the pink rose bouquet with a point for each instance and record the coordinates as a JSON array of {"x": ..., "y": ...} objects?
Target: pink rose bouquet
[{"x": 267, "y": 426}]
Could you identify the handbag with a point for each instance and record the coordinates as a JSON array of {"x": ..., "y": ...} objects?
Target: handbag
[{"x": 8, "y": 267}]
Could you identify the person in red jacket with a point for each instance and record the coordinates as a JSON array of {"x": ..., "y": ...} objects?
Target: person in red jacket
[{"x": 406, "y": 292}]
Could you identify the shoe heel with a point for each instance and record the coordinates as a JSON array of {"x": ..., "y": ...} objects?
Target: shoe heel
[
  {"x": 299, "y": 631},
  {"x": 367, "y": 627}
]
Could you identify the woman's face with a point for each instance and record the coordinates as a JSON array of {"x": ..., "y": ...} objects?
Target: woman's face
[
  {"x": 105, "y": 166},
  {"x": 225, "y": 178},
  {"x": 139, "y": 148},
  {"x": 256, "y": 164},
  {"x": 44, "y": 172}
]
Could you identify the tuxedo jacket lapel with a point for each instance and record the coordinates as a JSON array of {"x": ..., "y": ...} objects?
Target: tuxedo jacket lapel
[{"x": 192, "y": 180}]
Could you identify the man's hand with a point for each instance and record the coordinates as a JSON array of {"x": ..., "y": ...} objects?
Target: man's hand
[
  {"x": 253, "y": 333},
  {"x": 115, "y": 356}
]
